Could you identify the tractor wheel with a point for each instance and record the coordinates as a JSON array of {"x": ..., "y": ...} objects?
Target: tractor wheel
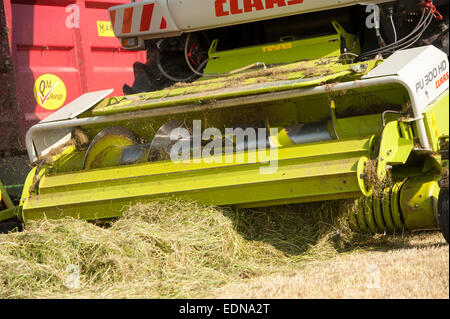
[
  {"x": 10, "y": 226},
  {"x": 443, "y": 212}
]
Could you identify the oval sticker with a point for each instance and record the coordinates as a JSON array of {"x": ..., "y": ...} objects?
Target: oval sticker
[{"x": 50, "y": 91}]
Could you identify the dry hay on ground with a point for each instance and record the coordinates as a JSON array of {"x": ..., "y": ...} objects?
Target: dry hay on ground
[
  {"x": 172, "y": 249},
  {"x": 417, "y": 269}
]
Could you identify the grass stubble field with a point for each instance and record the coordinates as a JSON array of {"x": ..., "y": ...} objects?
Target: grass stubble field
[{"x": 178, "y": 249}]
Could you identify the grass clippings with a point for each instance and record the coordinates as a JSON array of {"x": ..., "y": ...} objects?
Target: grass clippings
[{"x": 176, "y": 249}]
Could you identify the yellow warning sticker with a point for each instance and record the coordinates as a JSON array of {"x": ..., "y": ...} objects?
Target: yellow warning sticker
[
  {"x": 50, "y": 91},
  {"x": 277, "y": 47},
  {"x": 105, "y": 29}
]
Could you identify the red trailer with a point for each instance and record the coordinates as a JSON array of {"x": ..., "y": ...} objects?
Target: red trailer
[{"x": 53, "y": 51}]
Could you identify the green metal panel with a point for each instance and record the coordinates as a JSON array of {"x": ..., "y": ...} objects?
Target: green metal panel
[
  {"x": 394, "y": 149},
  {"x": 7, "y": 213},
  {"x": 5, "y": 197},
  {"x": 216, "y": 94},
  {"x": 387, "y": 214},
  {"x": 378, "y": 214},
  {"x": 279, "y": 78},
  {"x": 273, "y": 53},
  {"x": 436, "y": 120},
  {"x": 10, "y": 212},
  {"x": 395, "y": 206},
  {"x": 305, "y": 172},
  {"x": 418, "y": 202},
  {"x": 369, "y": 216},
  {"x": 361, "y": 218},
  {"x": 284, "y": 51}
]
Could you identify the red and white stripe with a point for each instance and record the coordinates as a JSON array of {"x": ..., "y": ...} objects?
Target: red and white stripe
[
  {"x": 166, "y": 18},
  {"x": 138, "y": 18}
]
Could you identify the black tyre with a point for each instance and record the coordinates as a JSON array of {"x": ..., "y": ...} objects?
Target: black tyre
[
  {"x": 443, "y": 212},
  {"x": 166, "y": 64},
  {"x": 10, "y": 226}
]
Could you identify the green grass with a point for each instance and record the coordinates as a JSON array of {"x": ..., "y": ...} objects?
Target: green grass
[{"x": 171, "y": 249}]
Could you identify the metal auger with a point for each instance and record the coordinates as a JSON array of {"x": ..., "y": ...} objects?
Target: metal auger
[{"x": 410, "y": 204}]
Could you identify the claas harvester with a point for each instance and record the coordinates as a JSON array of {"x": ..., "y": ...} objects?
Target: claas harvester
[{"x": 250, "y": 103}]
